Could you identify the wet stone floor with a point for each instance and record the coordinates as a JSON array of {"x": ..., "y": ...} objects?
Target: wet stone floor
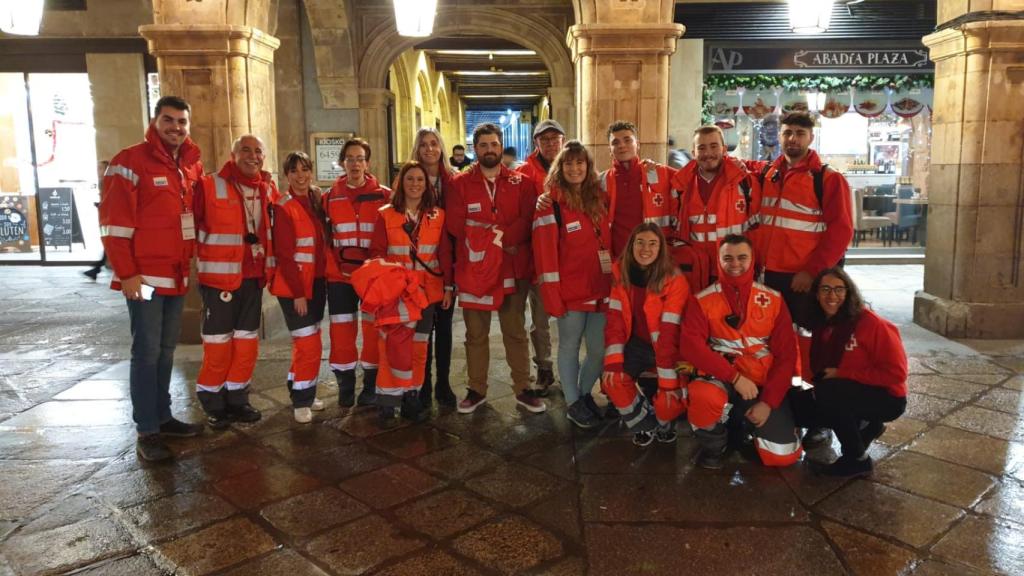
[{"x": 497, "y": 492}]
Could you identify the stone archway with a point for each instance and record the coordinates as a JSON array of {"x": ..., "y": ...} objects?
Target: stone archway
[
  {"x": 334, "y": 57},
  {"x": 385, "y": 46}
]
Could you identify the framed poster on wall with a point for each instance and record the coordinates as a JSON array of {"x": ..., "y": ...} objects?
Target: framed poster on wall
[{"x": 325, "y": 148}]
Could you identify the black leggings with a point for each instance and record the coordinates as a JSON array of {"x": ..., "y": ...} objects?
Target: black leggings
[
  {"x": 842, "y": 405},
  {"x": 439, "y": 347}
]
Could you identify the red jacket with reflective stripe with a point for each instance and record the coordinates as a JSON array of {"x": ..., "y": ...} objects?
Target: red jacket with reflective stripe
[
  {"x": 352, "y": 215},
  {"x": 145, "y": 192},
  {"x": 874, "y": 355},
  {"x": 302, "y": 252},
  {"x": 763, "y": 348},
  {"x": 392, "y": 294},
  {"x": 535, "y": 171},
  {"x": 569, "y": 272},
  {"x": 726, "y": 212},
  {"x": 795, "y": 232},
  {"x": 664, "y": 310},
  {"x": 223, "y": 257},
  {"x": 391, "y": 242},
  {"x": 660, "y": 202},
  {"x": 472, "y": 217}
]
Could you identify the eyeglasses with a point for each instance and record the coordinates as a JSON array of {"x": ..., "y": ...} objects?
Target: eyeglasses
[
  {"x": 837, "y": 290},
  {"x": 354, "y": 159},
  {"x": 549, "y": 139}
]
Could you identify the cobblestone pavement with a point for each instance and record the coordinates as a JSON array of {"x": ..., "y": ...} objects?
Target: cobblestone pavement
[{"x": 497, "y": 492}]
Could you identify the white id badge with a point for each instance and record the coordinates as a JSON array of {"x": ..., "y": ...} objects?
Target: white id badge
[
  {"x": 146, "y": 291},
  {"x": 606, "y": 261},
  {"x": 188, "y": 226}
]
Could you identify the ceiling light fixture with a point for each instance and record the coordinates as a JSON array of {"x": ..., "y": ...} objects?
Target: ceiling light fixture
[
  {"x": 21, "y": 17},
  {"x": 810, "y": 16},
  {"x": 496, "y": 96},
  {"x": 415, "y": 17},
  {"x": 490, "y": 53},
  {"x": 495, "y": 73}
]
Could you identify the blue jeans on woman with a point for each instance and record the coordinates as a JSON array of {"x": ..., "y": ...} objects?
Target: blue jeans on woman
[
  {"x": 155, "y": 326},
  {"x": 573, "y": 329}
]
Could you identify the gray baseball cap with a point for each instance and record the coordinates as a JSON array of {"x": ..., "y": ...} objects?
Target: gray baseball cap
[{"x": 548, "y": 125}]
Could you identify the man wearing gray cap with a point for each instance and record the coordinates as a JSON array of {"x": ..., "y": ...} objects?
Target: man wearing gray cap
[{"x": 548, "y": 138}]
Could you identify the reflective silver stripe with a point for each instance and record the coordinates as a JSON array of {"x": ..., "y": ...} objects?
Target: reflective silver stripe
[
  {"x": 403, "y": 311},
  {"x": 208, "y": 388},
  {"x": 306, "y": 331},
  {"x": 652, "y": 176},
  {"x": 345, "y": 242},
  {"x": 754, "y": 340},
  {"x": 787, "y": 449},
  {"x": 343, "y": 367},
  {"x": 303, "y": 384},
  {"x": 236, "y": 385},
  {"x": 614, "y": 349},
  {"x": 246, "y": 334},
  {"x": 117, "y": 231},
  {"x": 220, "y": 185},
  {"x": 427, "y": 248},
  {"x": 471, "y": 299},
  {"x": 716, "y": 287},
  {"x": 667, "y": 373},
  {"x": 712, "y": 218},
  {"x": 366, "y": 227},
  {"x": 476, "y": 256},
  {"x": 220, "y": 239},
  {"x": 123, "y": 172},
  {"x": 793, "y": 224},
  {"x": 787, "y": 204},
  {"x": 345, "y": 227},
  {"x": 421, "y": 337},
  {"x": 509, "y": 283},
  {"x": 698, "y": 219},
  {"x": 217, "y": 338},
  {"x": 398, "y": 250},
  {"x": 160, "y": 281},
  {"x": 342, "y": 318},
  {"x": 478, "y": 224},
  {"x": 365, "y": 243},
  {"x": 660, "y": 220},
  {"x": 548, "y": 277},
  {"x": 762, "y": 353},
  {"x": 614, "y": 304},
  {"x": 640, "y": 411},
  {"x": 697, "y": 236},
  {"x": 671, "y": 317},
  {"x": 543, "y": 221},
  {"x": 736, "y": 345},
  {"x": 726, "y": 230},
  {"x": 401, "y": 374},
  {"x": 305, "y": 241},
  {"x": 367, "y": 317},
  {"x": 304, "y": 257},
  {"x": 219, "y": 267},
  {"x": 366, "y": 365}
]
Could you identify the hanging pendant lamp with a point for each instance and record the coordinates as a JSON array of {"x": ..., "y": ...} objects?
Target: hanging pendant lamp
[
  {"x": 810, "y": 16},
  {"x": 415, "y": 17}
]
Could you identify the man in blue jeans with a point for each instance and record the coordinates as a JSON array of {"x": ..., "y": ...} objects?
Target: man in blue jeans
[{"x": 149, "y": 234}]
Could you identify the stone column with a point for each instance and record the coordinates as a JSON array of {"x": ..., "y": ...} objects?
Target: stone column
[
  {"x": 373, "y": 127},
  {"x": 563, "y": 108},
  {"x": 973, "y": 286},
  {"x": 686, "y": 93},
  {"x": 621, "y": 51},
  {"x": 119, "y": 101},
  {"x": 216, "y": 55}
]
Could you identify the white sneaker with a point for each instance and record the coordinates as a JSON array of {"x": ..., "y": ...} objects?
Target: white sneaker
[
  {"x": 303, "y": 415},
  {"x": 317, "y": 406}
]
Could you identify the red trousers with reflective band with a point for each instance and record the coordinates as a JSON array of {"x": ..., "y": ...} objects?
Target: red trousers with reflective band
[
  {"x": 343, "y": 305},
  {"x": 403, "y": 357},
  {"x": 230, "y": 344},
  {"x": 307, "y": 348}
]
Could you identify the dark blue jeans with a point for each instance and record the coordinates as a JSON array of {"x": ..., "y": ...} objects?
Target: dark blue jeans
[{"x": 155, "y": 326}]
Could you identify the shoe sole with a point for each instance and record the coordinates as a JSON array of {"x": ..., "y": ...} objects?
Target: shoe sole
[
  {"x": 671, "y": 440},
  {"x": 470, "y": 409},
  {"x": 148, "y": 459},
  {"x": 580, "y": 424},
  {"x": 181, "y": 434},
  {"x": 644, "y": 444},
  {"x": 534, "y": 409}
]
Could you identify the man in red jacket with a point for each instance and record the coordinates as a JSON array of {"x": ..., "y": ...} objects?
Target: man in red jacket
[
  {"x": 489, "y": 213},
  {"x": 149, "y": 235},
  {"x": 234, "y": 242},
  {"x": 739, "y": 336},
  {"x": 548, "y": 138}
]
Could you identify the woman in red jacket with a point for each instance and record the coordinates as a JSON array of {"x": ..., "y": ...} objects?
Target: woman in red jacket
[
  {"x": 411, "y": 231},
  {"x": 572, "y": 254},
  {"x": 860, "y": 372},
  {"x": 641, "y": 335},
  {"x": 299, "y": 280}
]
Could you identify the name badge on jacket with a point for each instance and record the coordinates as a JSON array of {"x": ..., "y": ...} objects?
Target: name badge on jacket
[
  {"x": 473, "y": 208},
  {"x": 573, "y": 226},
  {"x": 160, "y": 181}
]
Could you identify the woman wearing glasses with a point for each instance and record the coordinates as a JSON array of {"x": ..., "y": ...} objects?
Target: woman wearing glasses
[{"x": 860, "y": 372}]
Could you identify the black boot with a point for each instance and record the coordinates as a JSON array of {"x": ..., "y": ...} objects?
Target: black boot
[
  {"x": 425, "y": 393},
  {"x": 387, "y": 417},
  {"x": 445, "y": 396},
  {"x": 368, "y": 395},
  {"x": 412, "y": 409},
  {"x": 346, "y": 387}
]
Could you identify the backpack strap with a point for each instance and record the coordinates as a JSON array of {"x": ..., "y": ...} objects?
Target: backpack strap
[{"x": 819, "y": 183}]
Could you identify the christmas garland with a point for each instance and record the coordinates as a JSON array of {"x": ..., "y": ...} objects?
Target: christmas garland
[{"x": 810, "y": 83}]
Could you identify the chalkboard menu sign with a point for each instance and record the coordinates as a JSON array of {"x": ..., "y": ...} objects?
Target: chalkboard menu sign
[
  {"x": 14, "y": 223},
  {"x": 58, "y": 216}
]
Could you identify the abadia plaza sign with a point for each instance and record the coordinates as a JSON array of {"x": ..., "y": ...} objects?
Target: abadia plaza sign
[{"x": 745, "y": 60}]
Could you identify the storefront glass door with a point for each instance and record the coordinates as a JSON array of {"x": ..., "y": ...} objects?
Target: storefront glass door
[{"x": 48, "y": 176}]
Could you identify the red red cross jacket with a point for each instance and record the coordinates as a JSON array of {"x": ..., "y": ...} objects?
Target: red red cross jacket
[{"x": 874, "y": 355}]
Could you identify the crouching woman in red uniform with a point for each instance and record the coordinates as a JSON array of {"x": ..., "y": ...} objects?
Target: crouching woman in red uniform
[
  {"x": 300, "y": 278},
  {"x": 860, "y": 372},
  {"x": 411, "y": 231},
  {"x": 641, "y": 335}
]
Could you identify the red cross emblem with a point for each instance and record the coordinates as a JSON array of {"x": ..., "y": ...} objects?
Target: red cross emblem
[
  {"x": 515, "y": 178},
  {"x": 432, "y": 214},
  {"x": 762, "y": 300},
  {"x": 741, "y": 205},
  {"x": 851, "y": 344},
  {"x": 658, "y": 200}
]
